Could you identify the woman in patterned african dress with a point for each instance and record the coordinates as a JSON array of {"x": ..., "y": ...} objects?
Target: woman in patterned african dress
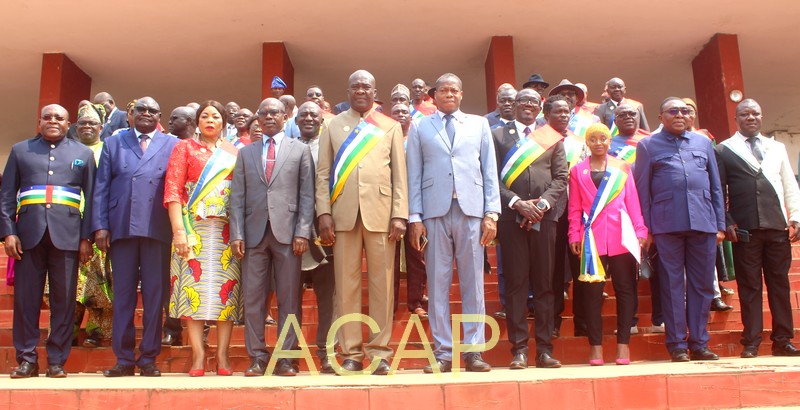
[{"x": 205, "y": 278}]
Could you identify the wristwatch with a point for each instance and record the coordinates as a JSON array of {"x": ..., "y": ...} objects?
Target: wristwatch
[{"x": 492, "y": 215}]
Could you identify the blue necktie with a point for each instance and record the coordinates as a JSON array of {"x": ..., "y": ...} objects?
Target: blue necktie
[{"x": 450, "y": 128}]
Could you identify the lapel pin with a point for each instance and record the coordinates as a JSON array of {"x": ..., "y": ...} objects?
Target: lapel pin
[
  {"x": 512, "y": 132},
  {"x": 585, "y": 171},
  {"x": 346, "y": 128}
]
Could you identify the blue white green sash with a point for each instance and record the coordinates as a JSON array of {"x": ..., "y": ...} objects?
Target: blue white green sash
[
  {"x": 364, "y": 137},
  {"x": 613, "y": 182},
  {"x": 573, "y": 148},
  {"x": 218, "y": 167},
  {"x": 580, "y": 122},
  {"x": 415, "y": 113},
  {"x": 525, "y": 152},
  {"x": 49, "y": 194}
]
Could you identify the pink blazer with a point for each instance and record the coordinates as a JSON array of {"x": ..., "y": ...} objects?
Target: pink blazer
[{"x": 606, "y": 227}]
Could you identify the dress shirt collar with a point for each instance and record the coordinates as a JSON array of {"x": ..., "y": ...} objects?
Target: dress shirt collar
[
  {"x": 521, "y": 128},
  {"x": 277, "y": 138},
  {"x": 617, "y": 104},
  {"x": 108, "y": 119},
  {"x": 739, "y": 134},
  {"x": 458, "y": 115},
  {"x": 149, "y": 134}
]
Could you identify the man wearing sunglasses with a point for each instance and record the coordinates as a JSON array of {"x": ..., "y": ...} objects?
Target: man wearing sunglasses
[
  {"x": 681, "y": 196},
  {"x": 131, "y": 223}
]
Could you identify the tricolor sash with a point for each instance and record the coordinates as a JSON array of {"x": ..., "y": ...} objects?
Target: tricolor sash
[
  {"x": 573, "y": 147},
  {"x": 613, "y": 182},
  {"x": 218, "y": 167},
  {"x": 49, "y": 194},
  {"x": 416, "y": 114},
  {"x": 525, "y": 152},
  {"x": 627, "y": 152},
  {"x": 580, "y": 122},
  {"x": 364, "y": 137}
]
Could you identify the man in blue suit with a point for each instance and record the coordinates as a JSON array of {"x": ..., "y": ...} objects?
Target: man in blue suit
[
  {"x": 681, "y": 196},
  {"x": 131, "y": 222},
  {"x": 454, "y": 201},
  {"x": 116, "y": 118}
]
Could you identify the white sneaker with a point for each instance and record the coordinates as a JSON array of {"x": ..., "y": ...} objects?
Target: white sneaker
[
  {"x": 657, "y": 329},
  {"x": 634, "y": 330}
]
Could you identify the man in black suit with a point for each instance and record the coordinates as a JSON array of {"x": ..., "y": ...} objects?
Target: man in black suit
[
  {"x": 115, "y": 118},
  {"x": 46, "y": 235},
  {"x": 760, "y": 184},
  {"x": 527, "y": 229},
  {"x": 616, "y": 90},
  {"x": 505, "y": 106}
]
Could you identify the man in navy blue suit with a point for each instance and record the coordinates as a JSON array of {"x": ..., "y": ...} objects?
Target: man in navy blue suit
[
  {"x": 131, "y": 222},
  {"x": 681, "y": 196},
  {"x": 116, "y": 118}
]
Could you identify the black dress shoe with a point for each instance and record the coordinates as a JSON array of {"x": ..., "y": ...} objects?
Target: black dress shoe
[
  {"x": 25, "y": 370},
  {"x": 787, "y": 350},
  {"x": 55, "y": 371},
  {"x": 257, "y": 368},
  {"x": 445, "y": 366},
  {"x": 92, "y": 341},
  {"x": 749, "y": 352},
  {"x": 546, "y": 361},
  {"x": 475, "y": 363},
  {"x": 325, "y": 366},
  {"x": 119, "y": 370},
  {"x": 520, "y": 361},
  {"x": 556, "y": 334},
  {"x": 171, "y": 340},
  {"x": 352, "y": 366},
  {"x": 382, "y": 369},
  {"x": 679, "y": 355},
  {"x": 717, "y": 305},
  {"x": 704, "y": 354},
  {"x": 285, "y": 368},
  {"x": 149, "y": 370}
]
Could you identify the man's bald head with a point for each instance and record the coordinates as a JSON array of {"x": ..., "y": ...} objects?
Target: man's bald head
[
  {"x": 106, "y": 100},
  {"x": 615, "y": 88},
  {"x": 182, "y": 122},
  {"x": 271, "y": 116},
  {"x": 308, "y": 120},
  {"x": 54, "y": 122},
  {"x": 361, "y": 91},
  {"x": 289, "y": 102}
]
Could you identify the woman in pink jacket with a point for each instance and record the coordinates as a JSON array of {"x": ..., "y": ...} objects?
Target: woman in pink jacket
[{"x": 605, "y": 228}]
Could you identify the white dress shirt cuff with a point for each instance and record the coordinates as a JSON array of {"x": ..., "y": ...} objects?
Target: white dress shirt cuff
[
  {"x": 414, "y": 218},
  {"x": 513, "y": 201}
]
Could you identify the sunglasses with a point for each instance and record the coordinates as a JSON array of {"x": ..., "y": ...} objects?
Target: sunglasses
[
  {"x": 89, "y": 123},
  {"x": 628, "y": 114},
  {"x": 50, "y": 117},
  {"x": 151, "y": 111},
  {"x": 675, "y": 111},
  {"x": 314, "y": 94}
]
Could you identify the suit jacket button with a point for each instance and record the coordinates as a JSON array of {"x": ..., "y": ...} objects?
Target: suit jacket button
[
  {"x": 47, "y": 206},
  {"x": 133, "y": 179},
  {"x": 52, "y": 158},
  {"x": 50, "y": 172}
]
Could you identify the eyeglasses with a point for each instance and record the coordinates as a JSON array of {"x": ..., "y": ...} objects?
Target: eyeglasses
[
  {"x": 51, "y": 117},
  {"x": 270, "y": 113},
  {"x": 83, "y": 123},
  {"x": 151, "y": 111},
  {"x": 626, "y": 114},
  {"x": 446, "y": 90},
  {"x": 314, "y": 94},
  {"x": 675, "y": 111},
  {"x": 528, "y": 101}
]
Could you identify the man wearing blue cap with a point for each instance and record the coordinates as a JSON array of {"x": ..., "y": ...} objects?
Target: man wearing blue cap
[{"x": 278, "y": 87}]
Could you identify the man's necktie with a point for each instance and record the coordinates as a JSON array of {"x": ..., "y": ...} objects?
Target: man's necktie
[
  {"x": 270, "y": 158},
  {"x": 450, "y": 128},
  {"x": 752, "y": 141},
  {"x": 527, "y": 131},
  {"x": 143, "y": 142}
]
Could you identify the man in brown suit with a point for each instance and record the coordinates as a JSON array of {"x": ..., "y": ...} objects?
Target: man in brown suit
[{"x": 363, "y": 206}]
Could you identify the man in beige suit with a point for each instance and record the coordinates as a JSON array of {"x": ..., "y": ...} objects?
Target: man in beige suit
[{"x": 362, "y": 203}]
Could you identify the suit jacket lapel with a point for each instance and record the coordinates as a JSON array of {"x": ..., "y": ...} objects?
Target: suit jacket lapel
[
  {"x": 129, "y": 138},
  {"x": 438, "y": 125},
  {"x": 156, "y": 143},
  {"x": 585, "y": 177},
  {"x": 255, "y": 158},
  {"x": 288, "y": 144}
]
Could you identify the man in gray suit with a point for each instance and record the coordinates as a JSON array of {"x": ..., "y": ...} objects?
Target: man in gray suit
[
  {"x": 272, "y": 209},
  {"x": 454, "y": 201}
]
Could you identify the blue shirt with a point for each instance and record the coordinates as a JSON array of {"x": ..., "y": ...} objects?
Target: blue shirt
[{"x": 678, "y": 183}]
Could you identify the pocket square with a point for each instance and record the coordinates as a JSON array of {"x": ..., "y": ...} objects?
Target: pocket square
[{"x": 78, "y": 163}]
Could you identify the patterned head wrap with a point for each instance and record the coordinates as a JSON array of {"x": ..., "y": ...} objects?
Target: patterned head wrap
[
  {"x": 95, "y": 112},
  {"x": 277, "y": 82},
  {"x": 402, "y": 89}
]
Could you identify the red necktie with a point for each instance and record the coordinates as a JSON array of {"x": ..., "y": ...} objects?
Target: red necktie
[
  {"x": 270, "y": 158},
  {"x": 143, "y": 142}
]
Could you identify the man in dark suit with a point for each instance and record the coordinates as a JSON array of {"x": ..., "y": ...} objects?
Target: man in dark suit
[
  {"x": 760, "y": 185},
  {"x": 115, "y": 118},
  {"x": 505, "y": 107},
  {"x": 46, "y": 236},
  {"x": 131, "y": 222},
  {"x": 679, "y": 190},
  {"x": 272, "y": 210},
  {"x": 616, "y": 90},
  {"x": 526, "y": 231}
]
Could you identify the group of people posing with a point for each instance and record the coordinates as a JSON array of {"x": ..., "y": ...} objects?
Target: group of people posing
[{"x": 207, "y": 221}]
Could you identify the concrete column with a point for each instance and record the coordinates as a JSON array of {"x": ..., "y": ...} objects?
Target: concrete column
[
  {"x": 499, "y": 67},
  {"x": 275, "y": 61},
  {"x": 63, "y": 83},
  {"x": 718, "y": 71}
]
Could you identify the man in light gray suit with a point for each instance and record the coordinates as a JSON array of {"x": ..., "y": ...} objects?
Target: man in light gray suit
[
  {"x": 454, "y": 201},
  {"x": 271, "y": 209}
]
